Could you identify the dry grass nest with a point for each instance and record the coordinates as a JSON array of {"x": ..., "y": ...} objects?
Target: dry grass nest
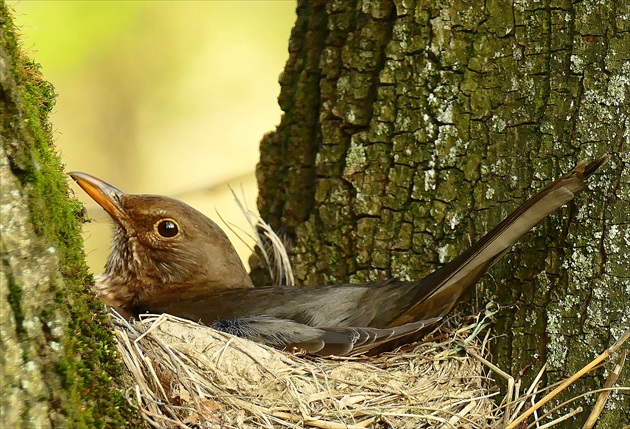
[{"x": 190, "y": 376}]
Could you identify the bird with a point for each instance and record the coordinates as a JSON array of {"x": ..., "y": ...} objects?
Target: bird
[{"x": 167, "y": 257}]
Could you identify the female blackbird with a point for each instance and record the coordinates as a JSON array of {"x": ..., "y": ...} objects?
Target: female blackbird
[{"x": 169, "y": 258}]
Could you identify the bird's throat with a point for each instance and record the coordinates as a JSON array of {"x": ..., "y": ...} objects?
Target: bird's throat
[{"x": 114, "y": 292}]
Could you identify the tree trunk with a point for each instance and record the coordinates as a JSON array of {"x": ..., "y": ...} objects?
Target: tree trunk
[
  {"x": 59, "y": 366},
  {"x": 412, "y": 127}
]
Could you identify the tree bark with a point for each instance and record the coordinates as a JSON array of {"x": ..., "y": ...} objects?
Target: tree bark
[
  {"x": 59, "y": 365},
  {"x": 411, "y": 127}
]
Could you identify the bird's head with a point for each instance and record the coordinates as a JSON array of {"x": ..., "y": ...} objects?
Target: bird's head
[{"x": 162, "y": 249}]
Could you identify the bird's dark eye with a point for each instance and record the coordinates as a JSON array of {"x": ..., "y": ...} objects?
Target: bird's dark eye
[{"x": 167, "y": 228}]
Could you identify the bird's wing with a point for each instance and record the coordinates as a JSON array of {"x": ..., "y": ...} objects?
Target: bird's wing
[{"x": 321, "y": 341}]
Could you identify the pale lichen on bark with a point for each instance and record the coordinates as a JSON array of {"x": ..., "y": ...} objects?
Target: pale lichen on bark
[{"x": 28, "y": 266}]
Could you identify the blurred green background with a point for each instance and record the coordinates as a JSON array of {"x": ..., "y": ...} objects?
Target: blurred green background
[{"x": 161, "y": 97}]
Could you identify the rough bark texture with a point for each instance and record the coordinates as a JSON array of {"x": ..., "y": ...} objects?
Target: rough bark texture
[
  {"x": 411, "y": 127},
  {"x": 59, "y": 366}
]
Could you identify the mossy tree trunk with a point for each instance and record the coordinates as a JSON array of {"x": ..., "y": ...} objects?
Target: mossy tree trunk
[
  {"x": 411, "y": 127},
  {"x": 59, "y": 366}
]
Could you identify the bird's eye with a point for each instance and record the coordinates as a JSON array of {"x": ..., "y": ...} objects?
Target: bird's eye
[{"x": 167, "y": 228}]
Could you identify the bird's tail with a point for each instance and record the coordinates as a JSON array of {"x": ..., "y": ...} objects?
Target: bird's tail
[{"x": 438, "y": 293}]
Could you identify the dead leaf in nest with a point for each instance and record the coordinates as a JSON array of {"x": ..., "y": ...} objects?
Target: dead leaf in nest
[
  {"x": 178, "y": 392},
  {"x": 206, "y": 411},
  {"x": 191, "y": 419},
  {"x": 211, "y": 408}
]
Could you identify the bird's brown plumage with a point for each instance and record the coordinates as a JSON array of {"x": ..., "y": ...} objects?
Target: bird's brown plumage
[{"x": 169, "y": 258}]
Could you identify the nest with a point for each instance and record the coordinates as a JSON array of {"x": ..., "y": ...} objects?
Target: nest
[{"x": 188, "y": 375}]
